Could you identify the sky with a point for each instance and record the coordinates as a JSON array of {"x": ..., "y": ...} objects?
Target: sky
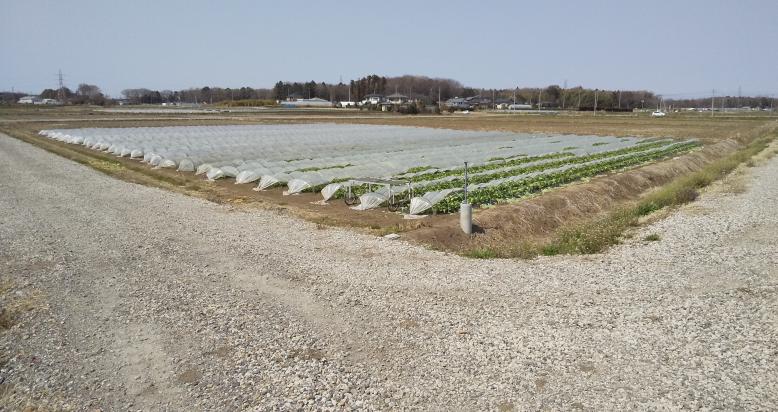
[{"x": 676, "y": 48}]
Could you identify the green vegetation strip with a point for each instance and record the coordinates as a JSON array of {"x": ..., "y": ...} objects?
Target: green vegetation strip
[
  {"x": 488, "y": 177},
  {"x": 317, "y": 168},
  {"x": 484, "y": 178},
  {"x": 522, "y": 160},
  {"x": 437, "y": 174},
  {"x": 520, "y": 188},
  {"x": 596, "y": 235}
]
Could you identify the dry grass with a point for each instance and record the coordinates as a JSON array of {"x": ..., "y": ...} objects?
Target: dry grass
[{"x": 14, "y": 302}]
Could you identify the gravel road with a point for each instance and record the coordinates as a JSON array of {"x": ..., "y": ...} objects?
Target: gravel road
[{"x": 139, "y": 299}]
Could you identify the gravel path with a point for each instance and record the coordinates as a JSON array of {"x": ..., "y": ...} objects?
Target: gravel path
[{"x": 141, "y": 299}]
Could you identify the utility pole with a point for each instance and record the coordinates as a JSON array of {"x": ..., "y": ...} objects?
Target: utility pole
[
  {"x": 564, "y": 93},
  {"x": 494, "y": 105},
  {"x": 540, "y": 97},
  {"x": 739, "y": 95},
  {"x": 580, "y": 90},
  {"x": 619, "y": 99},
  {"x": 712, "y": 97},
  {"x": 595, "y": 101}
]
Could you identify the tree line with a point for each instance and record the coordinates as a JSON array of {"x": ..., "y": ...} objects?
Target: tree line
[
  {"x": 428, "y": 90},
  {"x": 718, "y": 102}
]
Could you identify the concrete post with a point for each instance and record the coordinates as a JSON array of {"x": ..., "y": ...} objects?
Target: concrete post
[{"x": 466, "y": 218}]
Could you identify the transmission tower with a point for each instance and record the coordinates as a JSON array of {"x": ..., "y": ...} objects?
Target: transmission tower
[{"x": 61, "y": 91}]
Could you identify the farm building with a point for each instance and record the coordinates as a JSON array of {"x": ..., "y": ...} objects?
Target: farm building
[
  {"x": 30, "y": 100},
  {"x": 519, "y": 107},
  {"x": 314, "y": 102}
]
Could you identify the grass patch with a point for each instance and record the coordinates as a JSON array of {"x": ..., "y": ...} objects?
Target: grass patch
[
  {"x": 482, "y": 253},
  {"x": 15, "y": 302},
  {"x": 652, "y": 238},
  {"x": 569, "y": 148},
  {"x": 494, "y": 159},
  {"x": 316, "y": 168},
  {"x": 596, "y": 235},
  {"x": 417, "y": 169},
  {"x": 600, "y": 144}
]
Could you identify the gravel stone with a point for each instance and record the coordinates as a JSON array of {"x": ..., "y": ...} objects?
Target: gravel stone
[{"x": 145, "y": 299}]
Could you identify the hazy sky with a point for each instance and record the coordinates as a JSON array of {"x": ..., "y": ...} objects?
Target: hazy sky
[{"x": 671, "y": 47}]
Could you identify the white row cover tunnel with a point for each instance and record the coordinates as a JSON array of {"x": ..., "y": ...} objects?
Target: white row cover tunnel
[{"x": 303, "y": 156}]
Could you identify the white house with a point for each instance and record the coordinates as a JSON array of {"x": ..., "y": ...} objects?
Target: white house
[
  {"x": 397, "y": 98},
  {"x": 373, "y": 99}
]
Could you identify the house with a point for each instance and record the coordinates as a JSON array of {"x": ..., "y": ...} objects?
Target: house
[
  {"x": 502, "y": 104},
  {"x": 397, "y": 98},
  {"x": 479, "y": 101},
  {"x": 458, "y": 103},
  {"x": 373, "y": 98},
  {"x": 30, "y": 100}
]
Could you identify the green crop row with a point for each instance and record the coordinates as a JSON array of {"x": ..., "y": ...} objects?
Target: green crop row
[
  {"x": 459, "y": 182},
  {"x": 437, "y": 174},
  {"x": 362, "y": 189},
  {"x": 520, "y": 188},
  {"x": 522, "y": 160}
]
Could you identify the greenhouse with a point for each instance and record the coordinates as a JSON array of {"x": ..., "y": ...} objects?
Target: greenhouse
[{"x": 329, "y": 157}]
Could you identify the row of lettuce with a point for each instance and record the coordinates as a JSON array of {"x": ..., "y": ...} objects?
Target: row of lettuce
[
  {"x": 524, "y": 187},
  {"x": 515, "y": 178}
]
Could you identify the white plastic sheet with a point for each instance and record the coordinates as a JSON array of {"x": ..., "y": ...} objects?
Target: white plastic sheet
[
  {"x": 297, "y": 186},
  {"x": 167, "y": 163},
  {"x": 266, "y": 181},
  {"x": 203, "y": 168},
  {"x": 328, "y": 191},
  {"x": 308, "y": 155},
  {"x": 247, "y": 176},
  {"x": 420, "y": 204},
  {"x": 186, "y": 165}
]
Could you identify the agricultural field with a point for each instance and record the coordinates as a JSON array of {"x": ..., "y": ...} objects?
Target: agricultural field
[
  {"x": 302, "y": 162},
  {"x": 206, "y": 300},
  {"x": 326, "y": 158}
]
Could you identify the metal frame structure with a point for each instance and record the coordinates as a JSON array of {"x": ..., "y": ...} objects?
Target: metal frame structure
[{"x": 393, "y": 204}]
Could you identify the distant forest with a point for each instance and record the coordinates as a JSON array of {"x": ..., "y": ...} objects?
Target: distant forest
[{"x": 425, "y": 89}]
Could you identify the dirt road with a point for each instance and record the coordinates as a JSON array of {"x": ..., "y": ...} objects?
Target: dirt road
[{"x": 124, "y": 297}]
